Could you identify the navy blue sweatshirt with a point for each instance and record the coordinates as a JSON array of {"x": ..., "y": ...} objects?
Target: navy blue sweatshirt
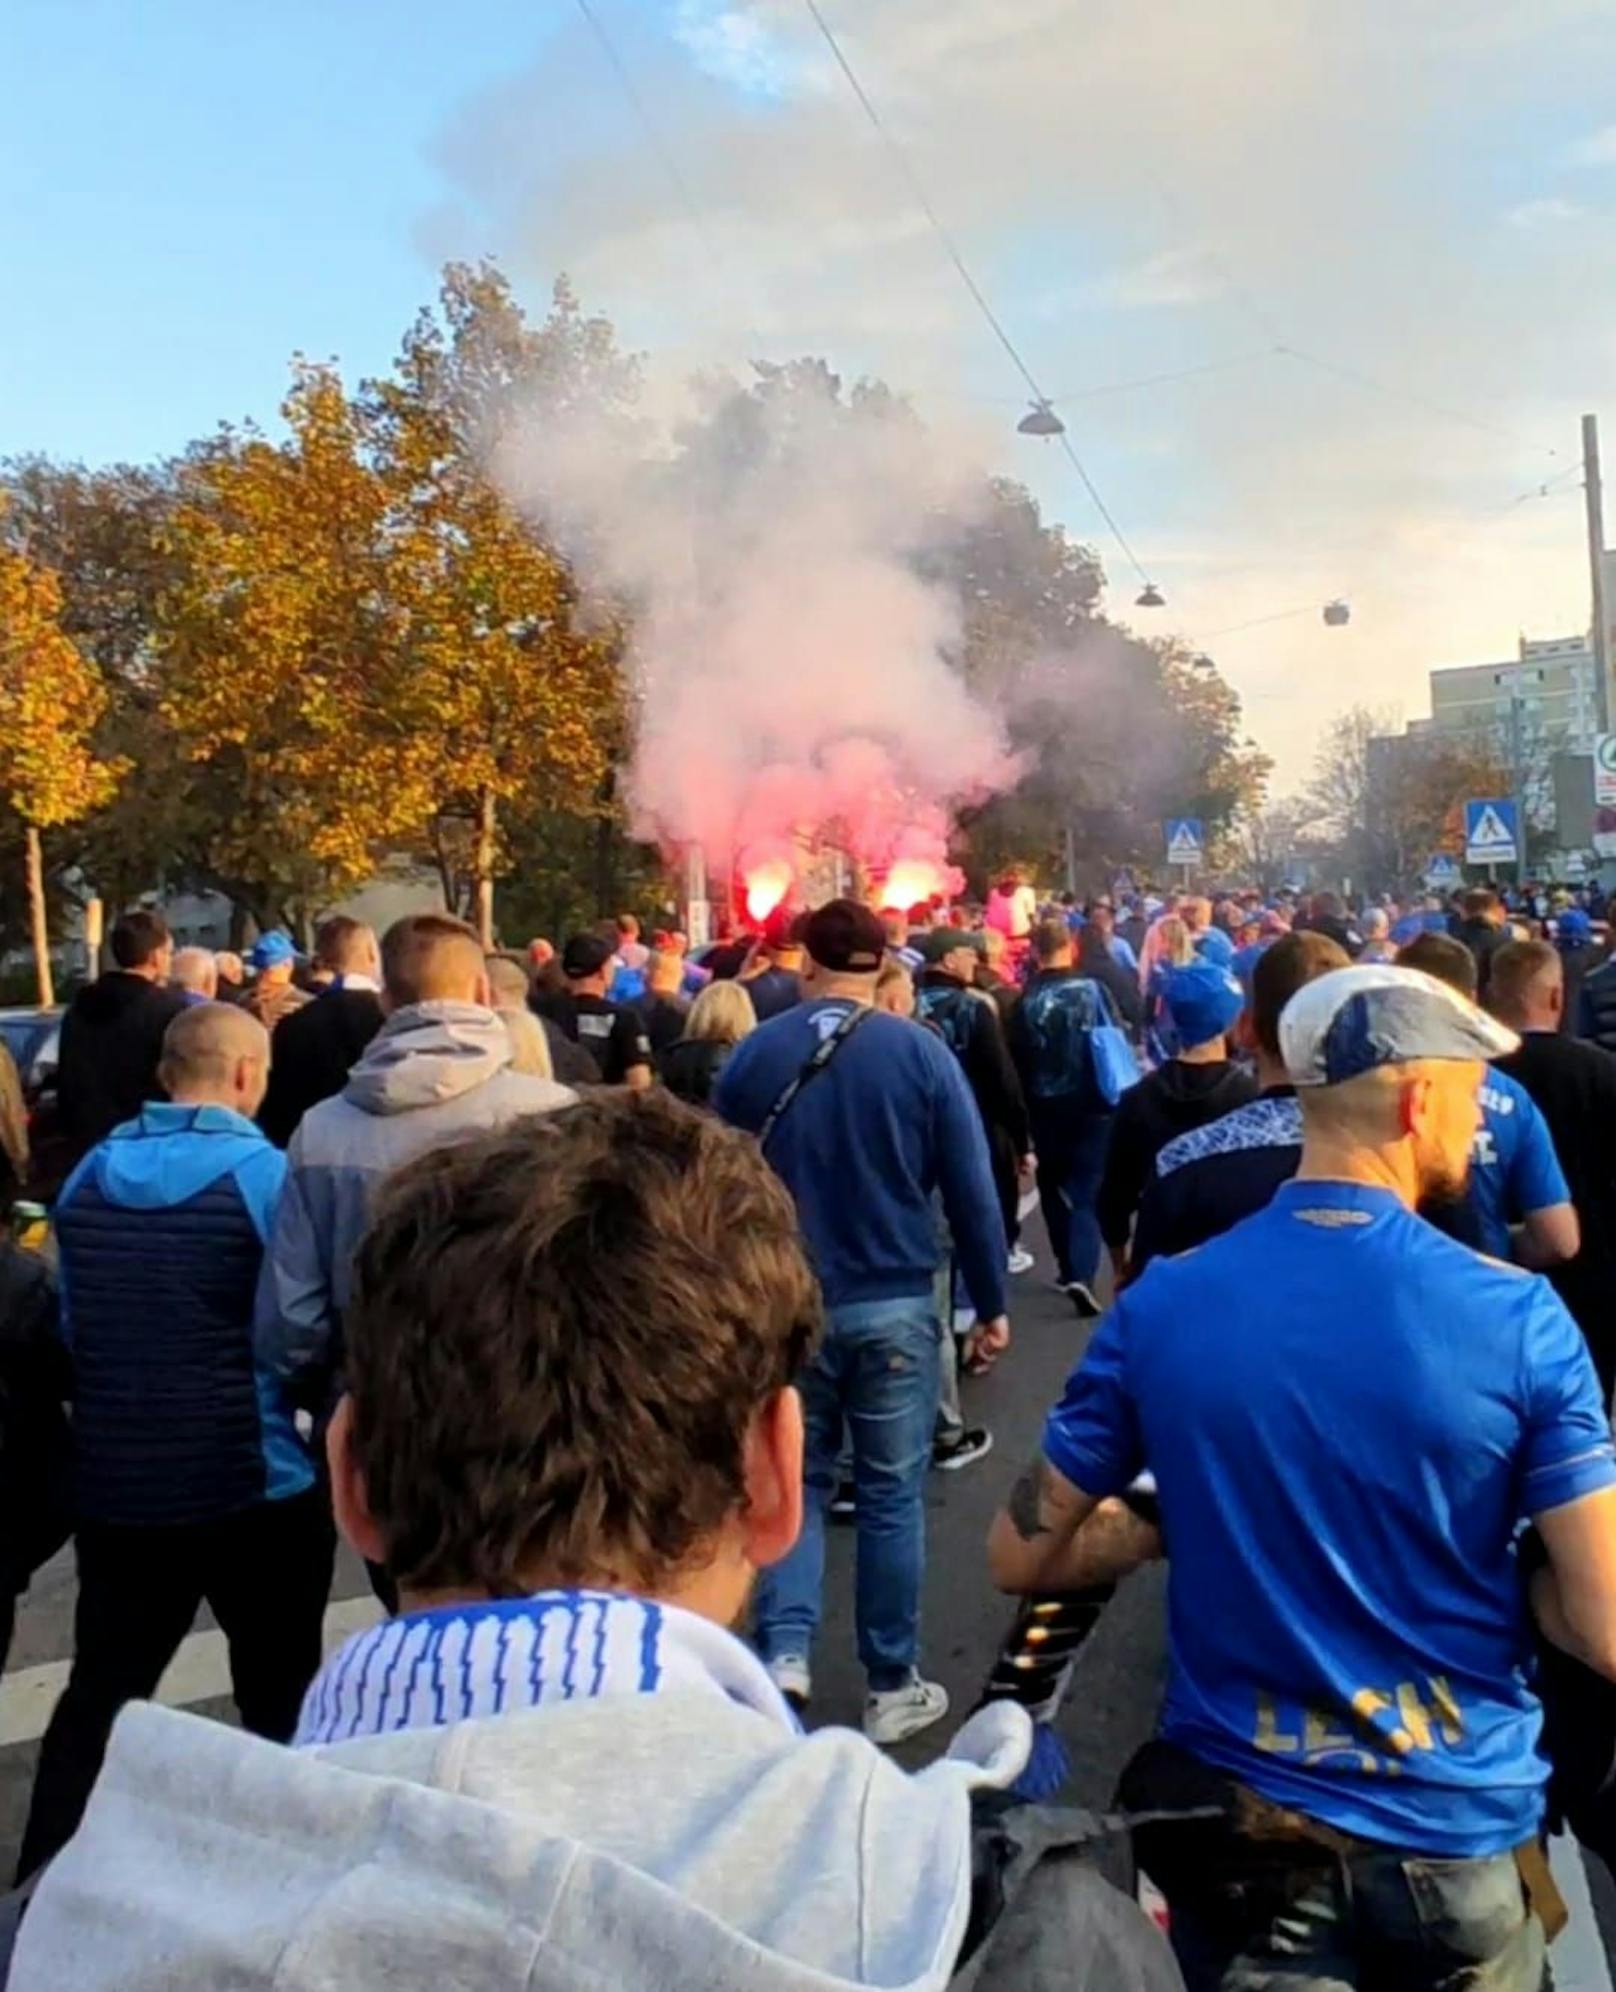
[{"x": 865, "y": 1144}]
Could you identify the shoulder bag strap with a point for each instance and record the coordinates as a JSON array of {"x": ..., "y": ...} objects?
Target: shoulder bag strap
[{"x": 823, "y": 1054}]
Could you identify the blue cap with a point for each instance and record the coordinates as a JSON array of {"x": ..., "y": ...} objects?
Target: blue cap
[
  {"x": 272, "y": 950},
  {"x": 1574, "y": 928},
  {"x": 1203, "y": 1000}
]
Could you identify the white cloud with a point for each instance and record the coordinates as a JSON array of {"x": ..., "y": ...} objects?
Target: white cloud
[
  {"x": 1597, "y": 149},
  {"x": 1548, "y": 212},
  {"x": 1176, "y": 277},
  {"x": 734, "y": 46},
  {"x": 1140, "y": 188}
]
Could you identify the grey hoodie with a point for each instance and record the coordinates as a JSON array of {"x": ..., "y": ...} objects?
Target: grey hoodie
[
  {"x": 676, "y": 1843},
  {"x": 434, "y": 1073}
]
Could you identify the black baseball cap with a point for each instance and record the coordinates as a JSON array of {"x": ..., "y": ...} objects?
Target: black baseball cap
[
  {"x": 846, "y": 937},
  {"x": 944, "y": 941},
  {"x": 585, "y": 955}
]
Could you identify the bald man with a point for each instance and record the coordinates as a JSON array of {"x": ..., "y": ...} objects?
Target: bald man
[
  {"x": 191, "y": 1482},
  {"x": 438, "y": 1070}
]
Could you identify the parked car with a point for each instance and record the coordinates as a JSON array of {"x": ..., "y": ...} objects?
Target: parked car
[{"x": 34, "y": 1039}]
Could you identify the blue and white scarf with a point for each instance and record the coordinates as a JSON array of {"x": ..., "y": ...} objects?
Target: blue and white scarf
[{"x": 432, "y": 1668}]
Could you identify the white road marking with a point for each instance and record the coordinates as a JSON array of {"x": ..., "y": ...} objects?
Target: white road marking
[{"x": 199, "y": 1671}]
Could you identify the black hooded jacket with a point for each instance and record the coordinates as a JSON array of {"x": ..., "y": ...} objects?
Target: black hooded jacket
[
  {"x": 112, "y": 1040},
  {"x": 1167, "y": 1103}
]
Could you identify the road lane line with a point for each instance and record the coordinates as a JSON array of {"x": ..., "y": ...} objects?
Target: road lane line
[{"x": 199, "y": 1671}]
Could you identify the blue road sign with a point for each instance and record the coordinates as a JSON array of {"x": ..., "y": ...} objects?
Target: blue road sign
[
  {"x": 1492, "y": 832},
  {"x": 1186, "y": 840}
]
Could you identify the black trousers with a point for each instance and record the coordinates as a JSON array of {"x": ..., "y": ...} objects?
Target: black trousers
[
  {"x": 265, "y": 1573},
  {"x": 36, "y": 1526},
  {"x": 1006, "y": 1165}
]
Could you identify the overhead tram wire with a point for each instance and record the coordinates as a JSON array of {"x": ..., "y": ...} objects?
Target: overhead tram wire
[
  {"x": 1355, "y": 377},
  {"x": 653, "y": 137},
  {"x": 1258, "y": 315},
  {"x": 962, "y": 270},
  {"x": 1102, "y": 388},
  {"x": 664, "y": 155}
]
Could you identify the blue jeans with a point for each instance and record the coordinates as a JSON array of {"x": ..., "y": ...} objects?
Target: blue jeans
[
  {"x": 876, "y": 1370},
  {"x": 1390, "y": 1919},
  {"x": 1071, "y": 1165}
]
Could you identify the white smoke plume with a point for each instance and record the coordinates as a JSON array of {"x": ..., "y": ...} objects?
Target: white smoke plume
[{"x": 794, "y": 672}]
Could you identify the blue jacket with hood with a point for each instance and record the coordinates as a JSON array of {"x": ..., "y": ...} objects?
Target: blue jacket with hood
[{"x": 162, "y": 1230}]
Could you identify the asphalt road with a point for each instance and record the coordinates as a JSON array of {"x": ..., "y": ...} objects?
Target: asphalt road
[
  {"x": 1109, "y": 1711},
  {"x": 964, "y": 1619}
]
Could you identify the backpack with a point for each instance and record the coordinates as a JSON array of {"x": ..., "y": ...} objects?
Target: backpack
[
  {"x": 1060, "y": 1018},
  {"x": 1045, "y": 1917}
]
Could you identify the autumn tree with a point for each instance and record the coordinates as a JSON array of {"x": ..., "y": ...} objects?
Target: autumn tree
[
  {"x": 105, "y": 534},
  {"x": 1385, "y": 800},
  {"x": 1115, "y": 733},
  {"x": 280, "y": 641},
  {"x": 51, "y": 697},
  {"x": 1266, "y": 843},
  {"x": 502, "y": 699}
]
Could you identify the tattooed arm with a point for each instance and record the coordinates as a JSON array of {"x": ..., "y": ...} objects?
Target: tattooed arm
[{"x": 1051, "y": 1536}]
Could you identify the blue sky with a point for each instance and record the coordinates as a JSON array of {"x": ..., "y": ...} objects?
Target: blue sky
[
  {"x": 195, "y": 190},
  {"x": 1425, "y": 193}
]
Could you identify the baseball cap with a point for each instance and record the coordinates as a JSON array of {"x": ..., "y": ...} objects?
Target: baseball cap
[
  {"x": 1203, "y": 1001},
  {"x": 780, "y": 929},
  {"x": 272, "y": 950},
  {"x": 943, "y": 941},
  {"x": 585, "y": 955},
  {"x": 846, "y": 937},
  {"x": 1573, "y": 925},
  {"x": 1355, "y": 1020}
]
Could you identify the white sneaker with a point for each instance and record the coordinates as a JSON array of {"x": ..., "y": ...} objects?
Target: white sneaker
[
  {"x": 789, "y": 1673},
  {"x": 901, "y": 1712},
  {"x": 1021, "y": 1260}
]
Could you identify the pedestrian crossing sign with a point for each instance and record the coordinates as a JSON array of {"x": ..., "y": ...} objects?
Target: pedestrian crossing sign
[
  {"x": 1492, "y": 832},
  {"x": 1186, "y": 840}
]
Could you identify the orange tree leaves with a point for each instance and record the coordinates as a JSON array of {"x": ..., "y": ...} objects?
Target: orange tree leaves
[
  {"x": 51, "y": 698},
  {"x": 364, "y": 637}
]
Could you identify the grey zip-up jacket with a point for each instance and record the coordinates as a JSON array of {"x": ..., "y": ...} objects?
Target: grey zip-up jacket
[{"x": 434, "y": 1073}]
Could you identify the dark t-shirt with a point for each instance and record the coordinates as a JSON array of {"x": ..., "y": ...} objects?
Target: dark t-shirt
[
  {"x": 664, "y": 1020},
  {"x": 774, "y": 990},
  {"x": 1213, "y": 1177},
  {"x": 612, "y": 1033},
  {"x": 1574, "y": 1084}
]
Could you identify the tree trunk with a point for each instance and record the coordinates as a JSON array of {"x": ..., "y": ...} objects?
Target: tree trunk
[
  {"x": 35, "y": 864},
  {"x": 440, "y": 857},
  {"x": 485, "y": 870}
]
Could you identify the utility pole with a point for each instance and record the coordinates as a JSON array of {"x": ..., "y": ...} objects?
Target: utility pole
[
  {"x": 1594, "y": 493},
  {"x": 1517, "y": 778}
]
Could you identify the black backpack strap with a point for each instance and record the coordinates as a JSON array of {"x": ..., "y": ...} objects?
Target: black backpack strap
[{"x": 824, "y": 1052}]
